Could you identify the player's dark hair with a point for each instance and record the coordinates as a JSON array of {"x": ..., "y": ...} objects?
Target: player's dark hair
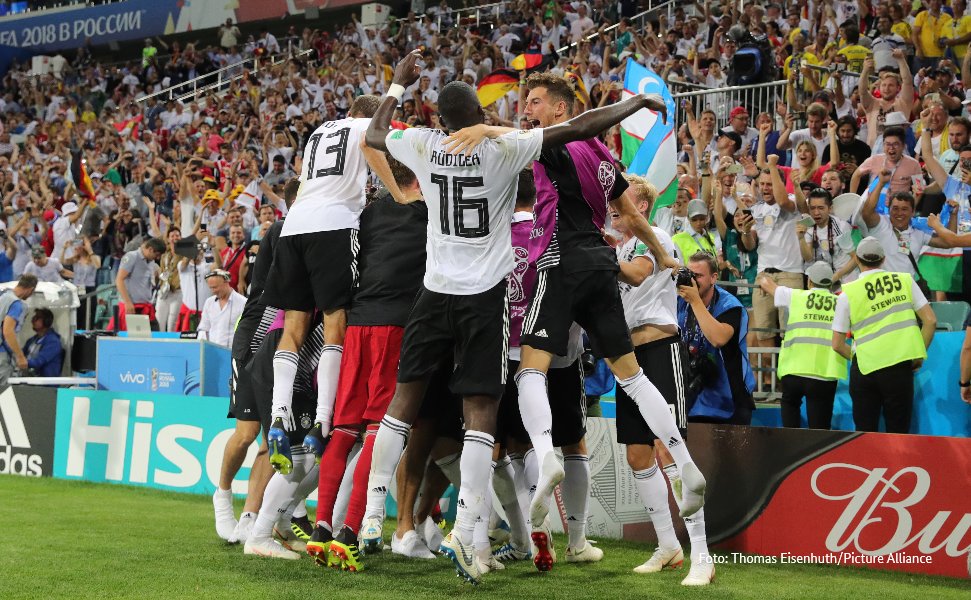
[
  {"x": 526, "y": 191},
  {"x": 458, "y": 106},
  {"x": 558, "y": 88},
  {"x": 290, "y": 191},
  {"x": 364, "y": 106},
  {"x": 403, "y": 176}
]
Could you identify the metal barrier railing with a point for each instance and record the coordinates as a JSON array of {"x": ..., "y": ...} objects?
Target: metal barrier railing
[
  {"x": 757, "y": 98},
  {"x": 764, "y": 361},
  {"x": 89, "y": 306},
  {"x": 639, "y": 19}
]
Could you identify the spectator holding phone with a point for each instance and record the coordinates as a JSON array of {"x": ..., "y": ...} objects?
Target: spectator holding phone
[{"x": 771, "y": 229}]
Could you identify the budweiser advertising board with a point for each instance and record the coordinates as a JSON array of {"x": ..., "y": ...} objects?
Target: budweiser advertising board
[{"x": 874, "y": 500}]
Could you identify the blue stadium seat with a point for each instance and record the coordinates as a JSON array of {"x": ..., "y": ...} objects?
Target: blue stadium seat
[{"x": 951, "y": 316}]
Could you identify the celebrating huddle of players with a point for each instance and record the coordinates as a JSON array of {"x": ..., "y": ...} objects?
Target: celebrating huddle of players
[{"x": 443, "y": 324}]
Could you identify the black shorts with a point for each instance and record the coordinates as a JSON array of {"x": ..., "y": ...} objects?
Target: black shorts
[
  {"x": 473, "y": 329},
  {"x": 441, "y": 407},
  {"x": 313, "y": 270},
  {"x": 259, "y": 372},
  {"x": 664, "y": 362},
  {"x": 242, "y": 398},
  {"x": 591, "y": 298},
  {"x": 568, "y": 403}
]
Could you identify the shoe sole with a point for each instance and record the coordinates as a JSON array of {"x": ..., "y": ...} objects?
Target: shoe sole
[
  {"x": 320, "y": 553},
  {"x": 255, "y": 552},
  {"x": 460, "y": 570},
  {"x": 279, "y": 460},
  {"x": 343, "y": 560},
  {"x": 543, "y": 559}
]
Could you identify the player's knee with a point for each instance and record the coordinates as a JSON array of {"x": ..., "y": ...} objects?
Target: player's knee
[{"x": 640, "y": 456}]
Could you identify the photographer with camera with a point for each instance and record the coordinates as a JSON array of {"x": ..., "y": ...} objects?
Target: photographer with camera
[{"x": 714, "y": 324}]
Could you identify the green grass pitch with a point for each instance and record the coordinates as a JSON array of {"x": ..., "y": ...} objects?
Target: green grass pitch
[{"x": 72, "y": 540}]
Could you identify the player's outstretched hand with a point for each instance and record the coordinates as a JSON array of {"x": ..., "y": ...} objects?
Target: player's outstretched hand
[
  {"x": 669, "y": 262},
  {"x": 465, "y": 140},
  {"x": 407, "y": 71},
  {"x": 656, "y": 103}
]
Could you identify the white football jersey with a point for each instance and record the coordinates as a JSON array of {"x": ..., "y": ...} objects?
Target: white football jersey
[
  {"x": 332, "y": 180},
  {"x": 470, "y": 204},
  {"x": 655, "y": 300}
]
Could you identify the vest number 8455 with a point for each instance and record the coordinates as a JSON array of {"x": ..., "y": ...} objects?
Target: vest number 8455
[{"x": 883, "y": 284}]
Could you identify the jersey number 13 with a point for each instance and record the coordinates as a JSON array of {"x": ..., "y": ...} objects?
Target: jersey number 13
[{"x": 338, "y": 148}]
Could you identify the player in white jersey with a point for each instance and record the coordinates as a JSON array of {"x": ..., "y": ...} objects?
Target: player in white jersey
[
  {"x": 315, "y": 265},
  {"x": 462, "y": 306},
  {"x": 649, "y": 295}
]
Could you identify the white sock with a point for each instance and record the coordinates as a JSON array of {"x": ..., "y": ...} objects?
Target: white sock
[
  {"x": 576, "y": 492},
  {"x": 300, "y": 510},
  {"x": 328, "y": 371},
  {"x": 534, "y": 407},
  {"x": 480, "y": 535},
  {"x": 530, "y": 474},
  {"x": 388, "y": 446},
  {"x": 522, "y": 490},
  {"x": 476, "y": 468},
  {"x": 284, "y": 372},
  {"x": 347, "y": 485},
  {"x": 450, "y": 466},
  {"x": 299, "y": 503},
  {"x": 504, "y": 483},
  {"x": 658, "y": 415},
  {"x": 696, "y": 533},
  {"x": 654, "y": 495},
  {"x": 279, "y": 495}
]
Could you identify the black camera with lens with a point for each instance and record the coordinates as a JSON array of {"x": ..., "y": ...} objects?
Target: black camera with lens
[
  {"x": 684, "y": 277},
  {"x": 701, "y": 370}
]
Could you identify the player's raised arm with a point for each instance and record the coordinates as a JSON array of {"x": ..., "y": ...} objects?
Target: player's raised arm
[
  {"x": 405, "y": 74},
  {"x": 592, "y": 122}
]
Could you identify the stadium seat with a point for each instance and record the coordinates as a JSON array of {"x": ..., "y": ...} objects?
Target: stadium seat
[{"x": 951, "y": 316}]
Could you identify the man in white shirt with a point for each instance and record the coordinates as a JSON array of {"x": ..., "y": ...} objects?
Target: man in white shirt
[
  {"x": 771, "y": 227},
  {"x": 580, "y": 24},
  {"x": 221, "y": 310}
]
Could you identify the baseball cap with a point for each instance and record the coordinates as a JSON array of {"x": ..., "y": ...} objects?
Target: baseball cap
[
  {"x": 211, "y": 195},
  {"x": 733, "y": 136},
  {"x": 738, "y": 110},
  {"x": 69, "y": 208},
  {"x": 820, "y": 273},
  {"x": 37, "y": 252},
  {"x": 870, "y": 249},
  {"x": 49, "y": 215},
  {"x": 697, "y": 207}
]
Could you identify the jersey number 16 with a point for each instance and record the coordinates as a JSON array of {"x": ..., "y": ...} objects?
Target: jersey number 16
[{"x": 460, "y": 205}]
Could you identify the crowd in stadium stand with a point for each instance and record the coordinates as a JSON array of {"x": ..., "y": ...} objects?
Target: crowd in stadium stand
[{"x": 871, "y": 88}]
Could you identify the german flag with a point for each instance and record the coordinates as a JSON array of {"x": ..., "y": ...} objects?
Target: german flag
[
  {"x": 79, "y": 176},
  {"x": 526, "y": 61},
  {"x": 576, "y": 82},
  {"x": 497, "y": 84}
]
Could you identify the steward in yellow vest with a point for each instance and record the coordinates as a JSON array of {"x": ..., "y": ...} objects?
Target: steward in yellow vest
[
  {"x": 808, "y": 365},
  {"x": 881, "y": 310}
]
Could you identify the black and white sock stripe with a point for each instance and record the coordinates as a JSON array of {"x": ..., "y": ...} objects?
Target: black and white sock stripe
[
  {"x": 646, "y": 473},
  {"x": 473, "y": 437}
]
